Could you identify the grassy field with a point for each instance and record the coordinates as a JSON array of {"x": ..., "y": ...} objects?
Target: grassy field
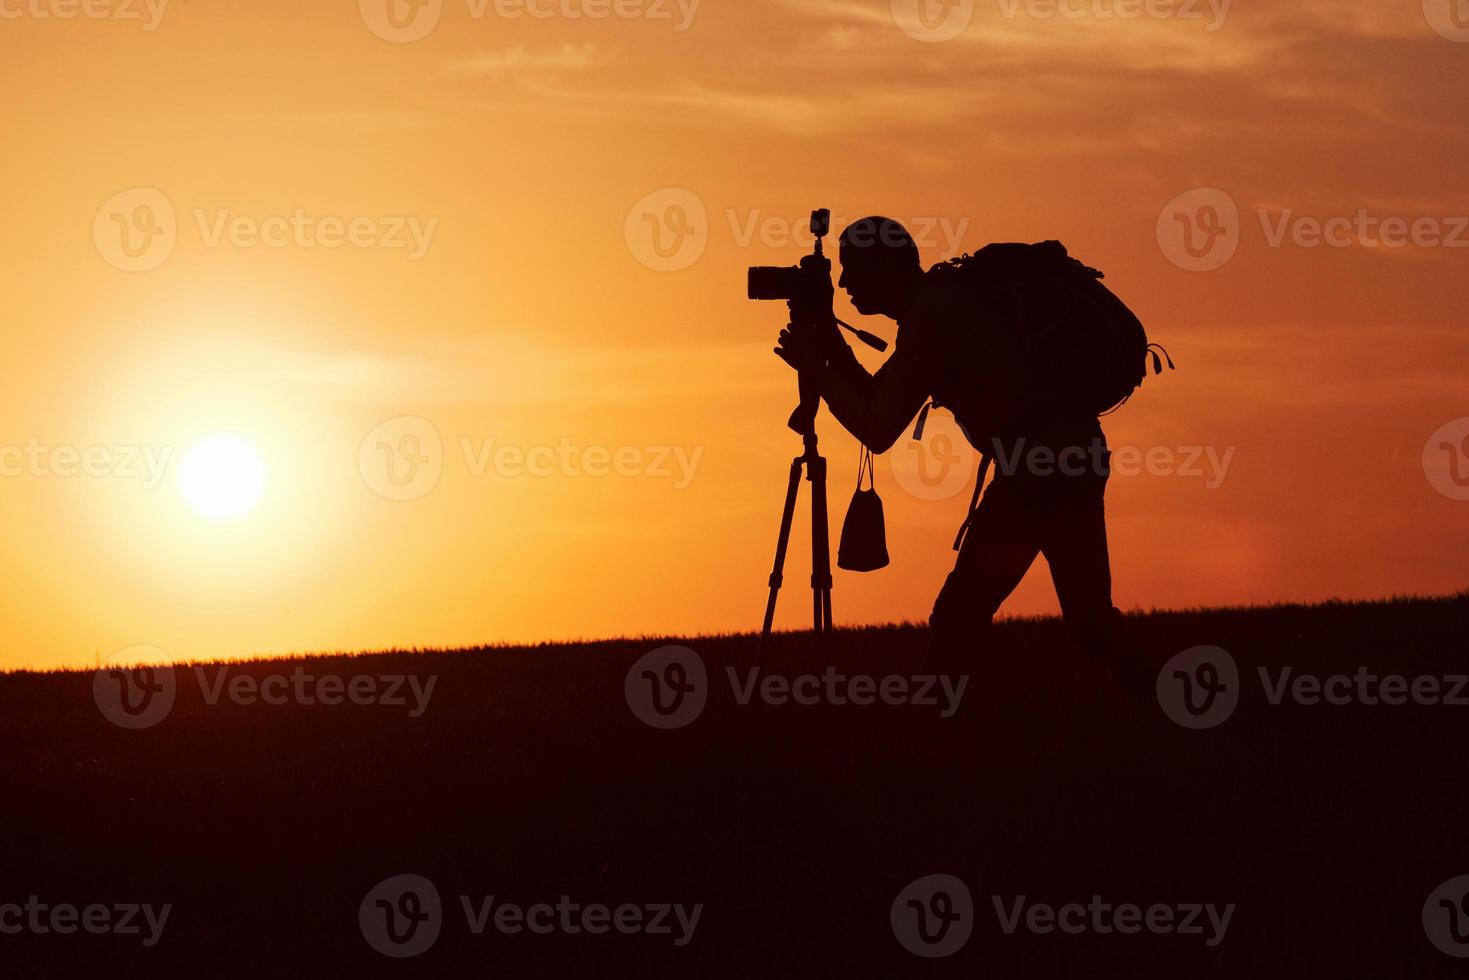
[{"x": 529, "y": 774}]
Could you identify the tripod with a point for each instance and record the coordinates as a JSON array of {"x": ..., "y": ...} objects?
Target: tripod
[{"x": 813, "y": 464}]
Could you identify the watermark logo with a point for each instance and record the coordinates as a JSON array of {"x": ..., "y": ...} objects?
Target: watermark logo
[
  {"x": 1199, "y": 688},
  {"x": 1183, "y": 10},
  {"x": 667, "y": 688},
  {"x": 1449, "y": 18},
  {"x": 402, "y": 459},
  {"x": 1208, "y": 920},
  {"x": 668, "y": 230},
  {"x": 410, "y": 692},
  {"x": 938, "y": 466},
  {"x": 1446, "y": 917},
  {"x": 401, "y": 917},
  {"x": 1446, "y": 459},
  {"x": 406, "y": 21},
  {"x": 1199, "y": 230},
  {"x": 40, "y": 918},
  {"x": 40, "y": 461},
  {"x": 678, "y": 464},
  {"x": 933, "y": 917},
  {"x": 149, "y": 13},
  {"x": 943, "y": 233},
  {"x": 132, "y": 691},
  {"x": 942, "y": 692},
  {"x": 933, "y": 21},
  {"x": 1206, "y": 463},
  {"x": 401, "y": 21},
  {"x": 136, "y": 230}
]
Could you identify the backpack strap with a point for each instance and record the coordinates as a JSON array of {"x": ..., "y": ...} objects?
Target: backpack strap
[
  {"x": 985, "y": 459},
  {"x": 922, "y": 421}
]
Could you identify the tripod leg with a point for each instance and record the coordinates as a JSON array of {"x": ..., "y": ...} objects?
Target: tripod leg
[
  {"x": 782, "y": 543},
  {"x": 820, "y": 546}
]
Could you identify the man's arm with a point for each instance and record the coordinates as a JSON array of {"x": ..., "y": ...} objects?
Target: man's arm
[{"x": 875, "y": 408}]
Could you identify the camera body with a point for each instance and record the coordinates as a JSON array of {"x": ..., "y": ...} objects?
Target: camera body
[{"x": 804, "y": 285}]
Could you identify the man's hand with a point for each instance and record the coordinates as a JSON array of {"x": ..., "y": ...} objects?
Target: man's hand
[{"x": 808, "y": 346}]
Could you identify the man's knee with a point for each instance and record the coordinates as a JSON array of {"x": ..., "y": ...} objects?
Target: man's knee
[{"x": 960, "y": 611}]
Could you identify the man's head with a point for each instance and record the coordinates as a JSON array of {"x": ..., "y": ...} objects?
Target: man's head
[{"x": 880, "y": 267}]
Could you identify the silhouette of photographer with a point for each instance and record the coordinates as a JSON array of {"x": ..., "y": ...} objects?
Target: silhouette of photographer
[{"x": 967, "y": 342}]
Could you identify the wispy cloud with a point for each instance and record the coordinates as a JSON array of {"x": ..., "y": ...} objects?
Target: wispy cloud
[{"x": 520, "y": 60}]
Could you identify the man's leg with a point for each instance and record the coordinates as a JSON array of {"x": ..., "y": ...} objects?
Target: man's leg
[
  {"x": 1075, "y": 546},
  {"x": 1001, "y": 545}
]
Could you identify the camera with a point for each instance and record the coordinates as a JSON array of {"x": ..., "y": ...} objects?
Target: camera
[
  {"x": 807, "y": 287},
  {"x": 809, "y": 280}
]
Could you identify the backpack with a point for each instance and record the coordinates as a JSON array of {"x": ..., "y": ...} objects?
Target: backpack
[
  {"x": 1092, "y": 350},
  {"x": 1089, "y": 350}
]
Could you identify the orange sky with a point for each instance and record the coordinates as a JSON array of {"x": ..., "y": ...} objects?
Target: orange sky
[{"x": 533, "y": 311}]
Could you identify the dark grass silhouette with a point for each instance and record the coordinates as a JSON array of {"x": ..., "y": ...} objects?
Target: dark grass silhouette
[{"x": 528, "y": 778}]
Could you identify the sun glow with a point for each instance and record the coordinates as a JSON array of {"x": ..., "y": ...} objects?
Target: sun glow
[{"x": 222, "y": 478}]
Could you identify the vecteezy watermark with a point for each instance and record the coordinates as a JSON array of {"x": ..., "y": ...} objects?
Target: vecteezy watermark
[
  {"x": 406, "y": 21},
  {"x": 147, "y": 13},
  {"x": 782, "y": 231},
  {"x": 138, "y": 691},
  {"x": 669, "y": 687},
  {"x": 39, "y": 918},
  {"x": 937, "y": 691},
  {"x": 1203, "y": 919},
  {"x": 938, "y": 465},
  {"x": 138, "y": 229},
  {"x": 508, "y": 461},
  {"x": 1448, "y": 18},
  {"x": 135, "y": 689},
  {"x": 403, "y": 459},
  {"x": 1363, "y": 229},
  {"x": 403, "y": 917},
  {"x": 1200, "y": 230},
  {"x": 933, "y": 21},
  {"x": 669, "y": 230},
  {"x": 1185, "y": 10},
  {"x": 39, "y": 460},
  {"x": 1446, "y": 459},
  {"x": 1363, "y": 687},
  {"x": 1207, "y": 463},
  {"x": 1446, "y": 917},
  {"x": 302, "y": 687},
  {"x": 1200, "y": 687},
  {"x": 942, "y": 463},
  {"x": 935, "y": 916}
]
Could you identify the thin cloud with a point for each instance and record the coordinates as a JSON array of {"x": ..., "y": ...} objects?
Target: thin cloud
[{"x": 520, "y": 60}]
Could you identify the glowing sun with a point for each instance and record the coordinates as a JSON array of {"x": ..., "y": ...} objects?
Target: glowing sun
[{"x": 222, "y": 478}]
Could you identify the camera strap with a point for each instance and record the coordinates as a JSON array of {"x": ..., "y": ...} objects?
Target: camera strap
[{"x": 985, "y": 459}]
